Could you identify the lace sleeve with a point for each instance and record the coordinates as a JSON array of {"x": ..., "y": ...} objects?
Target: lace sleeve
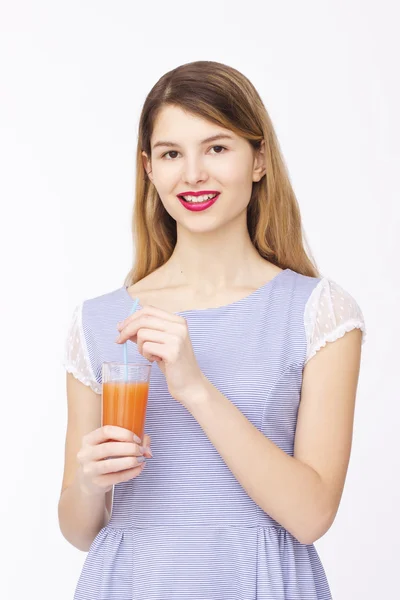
[
  {"x": 330, "y": 312},
  {"x": 76, "y": 358}
]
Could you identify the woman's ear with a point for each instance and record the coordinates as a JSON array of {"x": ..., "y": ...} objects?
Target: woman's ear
[
  {"x": 259, "y": 168},
  {"x": 147, "y": 165}
]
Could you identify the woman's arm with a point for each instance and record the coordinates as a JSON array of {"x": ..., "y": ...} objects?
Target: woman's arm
[
  {"x": 302, "y": 492},
  {"x": 81, "y": 516}
]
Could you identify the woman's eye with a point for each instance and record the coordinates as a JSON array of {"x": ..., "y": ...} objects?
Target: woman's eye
[
  {"x": 168, "y": 154},
  {"x": 223, "y": 148}
]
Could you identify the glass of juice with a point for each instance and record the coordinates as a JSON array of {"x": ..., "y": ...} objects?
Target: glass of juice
[{"x": 125, "y": 390}]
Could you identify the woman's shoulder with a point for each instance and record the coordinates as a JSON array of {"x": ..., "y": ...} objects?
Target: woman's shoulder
[
  {"x": 94, "y": 315},
  {"x": 330, "y": 312},
  {"x": 96, "y": 304},
  {"x": 326, "y": 290},
  {"x": 321, "y": 286},
  {"x": 325, "y": 298}
]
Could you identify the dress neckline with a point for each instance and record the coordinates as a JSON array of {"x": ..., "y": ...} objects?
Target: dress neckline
[{"x": 215, "y": 309}]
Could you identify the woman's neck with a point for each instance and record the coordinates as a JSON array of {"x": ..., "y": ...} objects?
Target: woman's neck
[{"x": 213, "y": 261}]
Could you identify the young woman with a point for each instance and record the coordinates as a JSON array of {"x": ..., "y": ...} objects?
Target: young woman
[{"x": 255, "y": 363}]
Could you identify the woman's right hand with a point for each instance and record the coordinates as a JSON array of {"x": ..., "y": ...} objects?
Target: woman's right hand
[{"x": 99, "y": 469}]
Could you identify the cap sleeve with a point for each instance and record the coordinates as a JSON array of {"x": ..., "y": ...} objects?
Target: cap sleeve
[
  {"x": 330, "y": 312},
  {"x": 76, "y": 357}
]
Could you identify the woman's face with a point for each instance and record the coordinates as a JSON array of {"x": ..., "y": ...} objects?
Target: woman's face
[{"x": 182, "y": 161}]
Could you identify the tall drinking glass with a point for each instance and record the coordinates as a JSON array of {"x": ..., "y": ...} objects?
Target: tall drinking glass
[{"x": 125, "y": 390}]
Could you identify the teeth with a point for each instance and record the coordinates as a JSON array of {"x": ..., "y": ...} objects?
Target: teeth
[{"x": 199, "y": 198}]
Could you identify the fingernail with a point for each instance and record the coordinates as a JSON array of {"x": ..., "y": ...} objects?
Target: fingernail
[
  {"x": 118, "y": 338},
  {"x": 136, "y": 439},
  {"x": 142, "y": 449},
  {"x": 140, "y": 459},
  {"x": 148, "y": 450}
]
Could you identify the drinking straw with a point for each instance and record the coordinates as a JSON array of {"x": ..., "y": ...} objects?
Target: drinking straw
[{"x": 125, "y": 345}]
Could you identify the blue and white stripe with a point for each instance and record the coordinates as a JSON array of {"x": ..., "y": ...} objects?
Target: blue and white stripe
[{"x": 185, "y": 529}]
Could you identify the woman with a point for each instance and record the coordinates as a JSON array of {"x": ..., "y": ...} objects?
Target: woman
[{"x": 250, "y": 410}]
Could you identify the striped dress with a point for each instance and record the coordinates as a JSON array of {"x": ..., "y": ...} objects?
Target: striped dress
[{"x": 185, "y": 528}]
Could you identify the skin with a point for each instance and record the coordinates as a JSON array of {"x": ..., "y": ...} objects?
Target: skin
[
  {"x": 192, "y": 274},
  {"x": 214, "y": 263}
]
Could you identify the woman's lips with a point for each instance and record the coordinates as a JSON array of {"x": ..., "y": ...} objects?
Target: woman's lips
[{"x": 198, "y": 206}]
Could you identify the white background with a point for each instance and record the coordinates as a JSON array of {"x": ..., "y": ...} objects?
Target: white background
[{"x": 73, "y": 78}]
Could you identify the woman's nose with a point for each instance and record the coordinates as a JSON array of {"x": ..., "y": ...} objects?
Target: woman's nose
[{"x": 194, "y": 171}]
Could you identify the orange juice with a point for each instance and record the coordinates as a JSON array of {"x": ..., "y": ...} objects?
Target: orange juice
[{"x": 124, "y": 404}]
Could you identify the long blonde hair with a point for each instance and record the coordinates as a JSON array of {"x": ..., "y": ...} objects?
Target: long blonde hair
[{"x": 224, "y": 96}]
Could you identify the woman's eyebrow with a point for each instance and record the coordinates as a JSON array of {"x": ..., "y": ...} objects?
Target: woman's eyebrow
[{"x": 213, "y": 138}]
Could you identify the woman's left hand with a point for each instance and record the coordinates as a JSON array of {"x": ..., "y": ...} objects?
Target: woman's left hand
[{"x": 164, "y": 337}]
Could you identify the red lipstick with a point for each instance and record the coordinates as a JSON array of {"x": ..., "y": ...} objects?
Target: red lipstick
[{"x": 198, "y": 206}]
